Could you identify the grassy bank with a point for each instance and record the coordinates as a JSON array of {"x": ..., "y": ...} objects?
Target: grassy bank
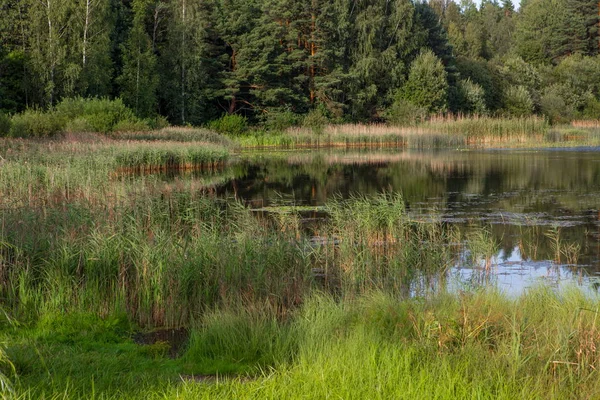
[{"x": 542, "y": 345}]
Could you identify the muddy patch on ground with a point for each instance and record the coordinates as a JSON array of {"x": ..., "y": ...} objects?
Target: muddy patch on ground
[{"x": 172, "y": 341}]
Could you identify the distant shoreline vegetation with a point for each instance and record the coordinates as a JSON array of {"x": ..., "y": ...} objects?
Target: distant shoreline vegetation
[{"x": 72, "y": 119}]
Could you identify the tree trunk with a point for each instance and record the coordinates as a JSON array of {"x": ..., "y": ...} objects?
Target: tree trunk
[
  {"x": 51, "y": 52},
  {"x": 85, "y": 32},
  {"x": 183, "y": 62}
]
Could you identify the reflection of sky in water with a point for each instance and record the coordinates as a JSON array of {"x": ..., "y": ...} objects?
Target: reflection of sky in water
[
  {"x": 522, "y": 198},
  {"x": 512, "y": 274}
]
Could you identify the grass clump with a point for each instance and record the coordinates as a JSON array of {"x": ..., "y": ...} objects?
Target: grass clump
[{"x": 150, "y": 157}]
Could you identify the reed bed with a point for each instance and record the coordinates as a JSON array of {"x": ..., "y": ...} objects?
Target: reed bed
[
  {"x": 441, "y": 131},
  {"x": 177, "y": 134},
  {"x": 46, "y": 173},
  {"x": 166, "y": 258},
  {"x": 169, "y": 156}
]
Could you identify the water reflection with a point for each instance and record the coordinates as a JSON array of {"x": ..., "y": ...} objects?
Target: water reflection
[{"x": 540, "y": 206}]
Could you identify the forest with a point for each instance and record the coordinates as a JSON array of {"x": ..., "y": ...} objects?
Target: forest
[{"x": 273, "y": 61}]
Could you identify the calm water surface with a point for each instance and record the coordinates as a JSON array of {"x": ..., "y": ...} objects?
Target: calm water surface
[{"x": 529, "y": 201}]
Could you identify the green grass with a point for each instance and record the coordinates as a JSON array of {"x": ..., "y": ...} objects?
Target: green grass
[
  {"x": 89, "y": 256},
  {"x": 166, "y": 258},
  {"x": 172, "y": 156},
  {"x": 481, "y": 344}
]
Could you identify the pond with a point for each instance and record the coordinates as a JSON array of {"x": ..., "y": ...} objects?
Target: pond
[{"x": 540, "y": 206}]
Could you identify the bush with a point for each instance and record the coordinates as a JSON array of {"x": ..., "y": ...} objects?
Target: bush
[
  {"x": 427, "y": 83},
  {"x": 591, "y": 109},
  {"x": 230, "y": 124},
  {"x": 517, "y": 101},
  {"x": 34, "y": 123},
  {"x": 315, "y": 120},
  {"x": 279, "y": 119},
  {"x": 473, "y": 97},
  {"x": 403, "y": 112},
  {"x": 554, "y": 106},
  {"x": 4, "y": 124},
  {"x": 101, "y": 115},
  {"x": 159, "y": 122}
]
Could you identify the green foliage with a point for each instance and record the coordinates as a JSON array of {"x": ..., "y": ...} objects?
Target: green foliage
[
  {"x": 4, "y": 124},
  {"x": 486, "y": 75},
  {"x": 474, "y": 97},
  {"x": 131, "y": 125},
  {"x": 517, "y": 101},
  {"x": 139, "y": 78},
  {"x": 230, "y": 124},
  {"x": 12, "y": 96},
  {"x": 554, "y": 105},
  {"x": 35, "y": 123},
  {"x": 279, "y": 119},
  {"x": 96, "y": 115},
  {"x": 261, "y": 59},
  {"x": 316, "y": 120},
  {"x": 427, "y": 84},
  {"x": 405, "y": 113},
  {"x": 591, "y": 109}
]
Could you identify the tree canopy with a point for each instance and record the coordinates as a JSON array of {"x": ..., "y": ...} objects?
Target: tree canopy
[{"x": 194, "y": 60}]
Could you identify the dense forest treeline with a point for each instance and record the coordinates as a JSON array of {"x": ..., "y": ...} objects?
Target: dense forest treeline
[{"x": 354, "y": 60}]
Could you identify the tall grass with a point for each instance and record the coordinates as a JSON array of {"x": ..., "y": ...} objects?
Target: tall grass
[
  {"x": 144, "y": 158},
  {"x": 86, "y": 168},
  {"x": 442, "y": 131},
  {"x": 164, "y": 259},
  {"x": 178, "y": 134},
  {"x": 480, "y": 344}
]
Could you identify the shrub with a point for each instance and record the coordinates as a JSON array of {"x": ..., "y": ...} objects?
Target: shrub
[
  {"x": 316, "y": 120},
  {"x": 279, "y": 119},
  {"x": 473, "y": 96},
  {"x": 4, "y": 124},
  {"x": 591, "y": 109},
  {"x": 230, "y": 124},
  {"x": 101, "y": 115},
  {"x": 159, "y": 122},
  {"x": 35, "y": 123},
  {"x": 78, "y": 125},
  {"x": 554, "y": 106},
  {"x": 427, "y": 84},
  {"x": 517, "y": 101},
  {"x": 403, "y": 112}
]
